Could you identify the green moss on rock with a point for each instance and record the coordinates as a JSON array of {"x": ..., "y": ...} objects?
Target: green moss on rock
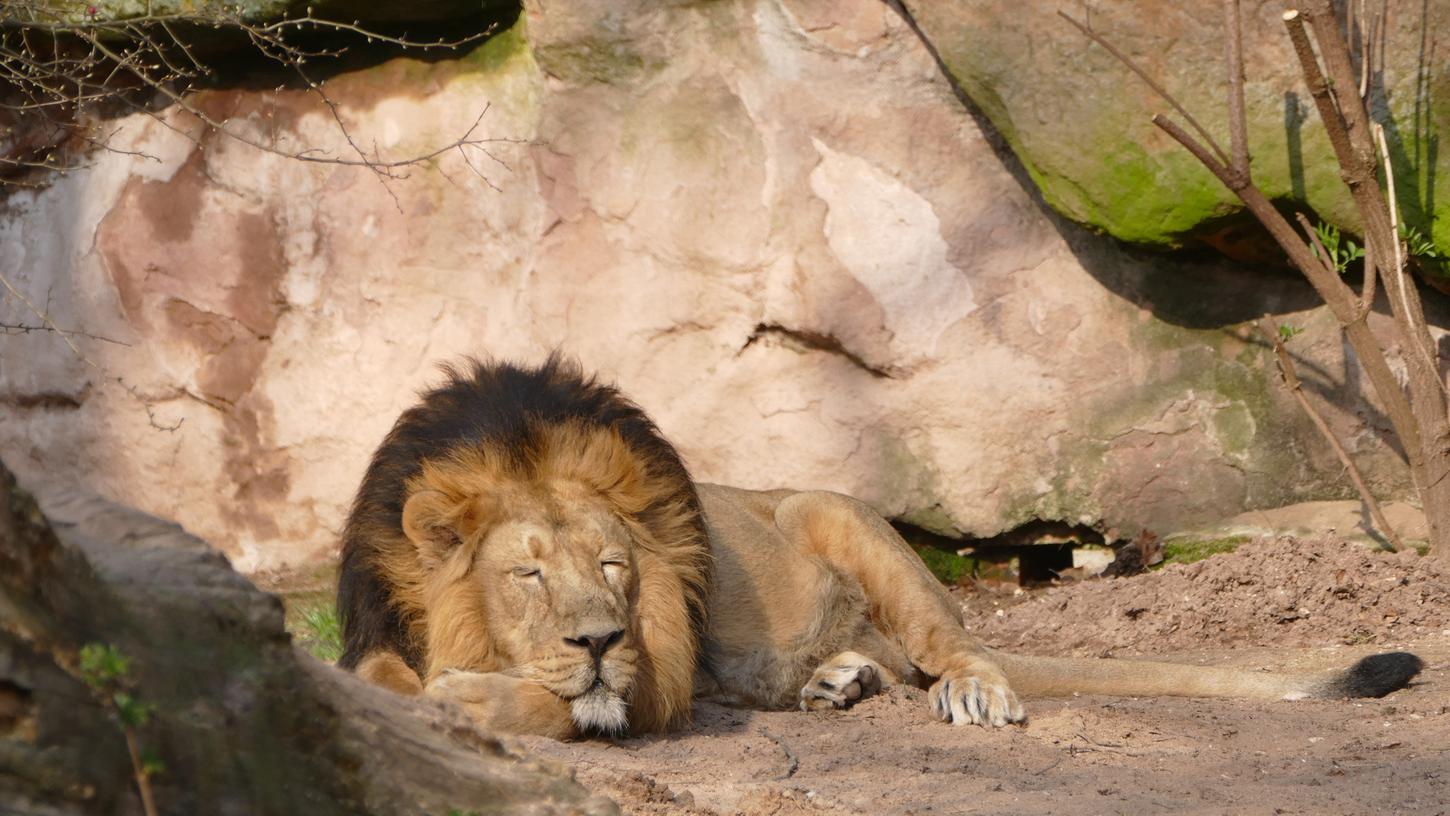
[
  {"x": 595, "y": 59},
  {"x": 503, "y": 51},
  {"x": 948, "y": 567},
  {"x": 1188, "y": 550},
  {"x": 1081, "y": 122}
]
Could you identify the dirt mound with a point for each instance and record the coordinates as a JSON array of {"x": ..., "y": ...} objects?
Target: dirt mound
[{"x": 1272, "y": 592}]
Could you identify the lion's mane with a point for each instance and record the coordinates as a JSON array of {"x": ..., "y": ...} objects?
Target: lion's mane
[{"x": 514, "y": 424}]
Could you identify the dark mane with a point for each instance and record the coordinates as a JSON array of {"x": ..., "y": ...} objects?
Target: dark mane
[{"x": 500, "y": 405}]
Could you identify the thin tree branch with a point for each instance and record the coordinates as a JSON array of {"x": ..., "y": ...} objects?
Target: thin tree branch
[
  {"x": 70, "y": 64},
  {"x": 1222, "y": 171},
  {"x": 1324, "y": 100},
  {"x": 1291, "y": 380},
  {"x": 1320, "y": 252},
  {"x": 1238, "y": 128},
  {"x": 138, "y": 770},
  {"x": 27, "y": 328},
  {"x": 45, "y": 319},
  {"x": 1167, "y": 97}
]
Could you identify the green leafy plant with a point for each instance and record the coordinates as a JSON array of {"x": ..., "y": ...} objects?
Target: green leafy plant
[
  {"x": 107, "y": 672},
  {"x": 1419, "y": 245},
  {"x": 1342, "y": 251},
  {"x": 1287, "y": 332}
]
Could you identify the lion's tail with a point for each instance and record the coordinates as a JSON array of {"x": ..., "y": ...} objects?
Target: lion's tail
[{"x": 1374, "y": 676}]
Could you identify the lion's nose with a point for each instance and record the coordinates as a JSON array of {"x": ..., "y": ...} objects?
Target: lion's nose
[{"x": 596, "y": 643}]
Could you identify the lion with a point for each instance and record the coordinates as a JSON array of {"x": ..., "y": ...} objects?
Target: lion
[{"x": 527, "y": 545}]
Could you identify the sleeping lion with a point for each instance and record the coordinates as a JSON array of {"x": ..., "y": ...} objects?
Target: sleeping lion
[{"x": 528, "y": 546}]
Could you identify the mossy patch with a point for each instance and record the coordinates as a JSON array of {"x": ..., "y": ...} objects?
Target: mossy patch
[
  {"x": 1151, "y": 199},
  {"x": 1187, "y": 550},
  {"x": 947, "y": 566},
  {"x": 500, "y": 51},
  {"x": 938, "y": 552},
  {"x": 595, "y": 59}
]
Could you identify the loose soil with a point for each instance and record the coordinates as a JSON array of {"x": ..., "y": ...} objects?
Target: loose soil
[{"x": 1278, "y": 604}]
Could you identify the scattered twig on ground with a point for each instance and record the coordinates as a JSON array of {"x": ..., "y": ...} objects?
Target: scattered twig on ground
[
  {"x": 1115, "y": 747},
  {"x": 792, "y": 762},
  {"x": 1053, "y": 764}
]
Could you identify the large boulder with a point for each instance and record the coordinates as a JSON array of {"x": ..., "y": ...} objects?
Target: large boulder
[
  {"x": 770, "y": 221},
  {"x": 1080, "y": 121},
  {"x": 240, "y": 721}
]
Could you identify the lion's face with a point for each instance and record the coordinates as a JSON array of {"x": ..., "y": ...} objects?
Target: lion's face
[
  {"x": 553, "y": 573},
  {"x": 558, "y": 592}
]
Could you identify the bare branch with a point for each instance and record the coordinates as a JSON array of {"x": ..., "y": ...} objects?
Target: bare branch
[
  {"x": 1365, "y": 304},
  {"x": 47, "y": 322},
  {"x": 1291, "y": 380},
  {"x": 1224, "y": 173},
  {"x": 1419, "y": 417},
  {"x": 1237, "y": 127},
  {"x": 27, "y": 328},
  {"x": 72, "y": 65},
  {"x": 1167, "y": 97}
]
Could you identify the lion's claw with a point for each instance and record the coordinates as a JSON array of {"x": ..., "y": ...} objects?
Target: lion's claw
[{"x": 978, "y": 698}]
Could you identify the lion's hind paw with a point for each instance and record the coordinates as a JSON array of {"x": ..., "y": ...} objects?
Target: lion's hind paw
[{"x": 841, "y": 681}]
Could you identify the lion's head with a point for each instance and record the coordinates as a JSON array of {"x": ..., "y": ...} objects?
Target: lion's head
[{"x": 563, "y": 546}]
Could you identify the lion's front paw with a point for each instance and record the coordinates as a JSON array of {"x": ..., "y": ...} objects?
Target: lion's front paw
[
  {"x": 978, "y": 695},
  {"x": 467, "y": 687},
  {"x": 841, "y": 681},
  {"x": 503, "y": 703}
]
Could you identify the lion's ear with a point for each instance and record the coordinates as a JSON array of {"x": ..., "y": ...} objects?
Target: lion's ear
[{"x": 435, "y": 523}]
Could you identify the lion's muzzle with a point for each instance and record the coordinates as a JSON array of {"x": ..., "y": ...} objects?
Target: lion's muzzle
[
  {"x": 599, "y": 709},
  {"x": 596, "y": 688}
]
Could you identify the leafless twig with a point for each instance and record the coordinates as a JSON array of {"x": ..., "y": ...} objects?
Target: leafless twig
[
  {"x": 48, "y": 324},
  {"x": 62, "y": 70},
  {"x": 27, "y": 328},
  {"x": 1291, "y": 381},
  {"x": 792, "y": 763},
  {"x": 1152, "y": 83}
]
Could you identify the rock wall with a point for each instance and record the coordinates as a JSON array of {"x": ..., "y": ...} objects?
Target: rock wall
[{"x": 770, "y": 221}]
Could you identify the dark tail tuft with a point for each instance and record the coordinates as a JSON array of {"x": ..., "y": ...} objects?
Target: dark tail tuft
[{"x": 1377, "y": 675}]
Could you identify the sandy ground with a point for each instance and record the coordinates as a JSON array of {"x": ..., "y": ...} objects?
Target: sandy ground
[{"x": 1283, "y": 604}]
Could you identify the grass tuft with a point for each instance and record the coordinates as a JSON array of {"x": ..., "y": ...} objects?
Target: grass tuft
[{"x": 318, "y": 630}]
